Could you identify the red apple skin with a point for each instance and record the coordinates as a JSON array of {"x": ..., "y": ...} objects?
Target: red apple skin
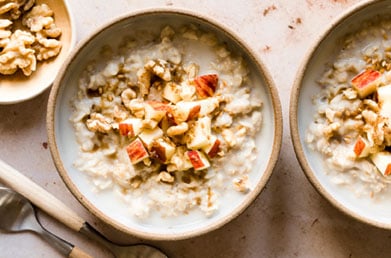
[
  {"x": 126, "y": 129},
  {"x": 206, "y": 85},
  {"x": 195, "y": 159},
  {"x": 194, "y": 112},
  {"x": 136, "y": 151},
  {"x": 215, "y": 149},
  {"x": 359, "y": 146},
  {"x": 388, "y": 170},
  {"x": 365, "y": 77}
]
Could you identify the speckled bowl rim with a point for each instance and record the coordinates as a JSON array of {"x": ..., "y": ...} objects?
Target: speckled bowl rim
[
  {"x": 293, "y": 115},
  {"x": 270, "y": 89}
]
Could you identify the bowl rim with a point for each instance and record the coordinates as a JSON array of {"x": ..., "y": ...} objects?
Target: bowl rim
[
  {"x": 293, "y": 114},
  {"x": 272, "y": 95}
]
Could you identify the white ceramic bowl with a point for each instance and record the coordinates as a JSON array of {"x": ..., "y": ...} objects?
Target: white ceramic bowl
[
  {"x": 16, "y": 88},
  {"x": 107, "y": 206},
  {"x": 302, "y": 110}
]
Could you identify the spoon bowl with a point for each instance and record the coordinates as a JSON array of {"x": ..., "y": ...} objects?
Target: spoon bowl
[{"x": 17, "y": 87}]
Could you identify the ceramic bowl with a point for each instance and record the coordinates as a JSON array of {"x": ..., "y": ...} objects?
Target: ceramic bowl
[
  {"x": 374, "y": 210},
  {"x": 17, "y": 87},
  {"x": 106, "y": 206}
]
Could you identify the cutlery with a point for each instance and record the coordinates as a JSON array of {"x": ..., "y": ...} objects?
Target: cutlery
[
  {"x": 58, "y": 210},
  {"x": 18, "y": 215}
]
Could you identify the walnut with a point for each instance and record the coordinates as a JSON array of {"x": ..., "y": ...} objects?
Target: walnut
[
  {"x": 17, "y": 53},
  {"x": 98, "y": 123},
  {"x": 4, "y": 30},
  {"x": 14, "y": 8},
  {"x": 165, "y": 177},
  {"x": 21, "y": 49},
  {"x": 46, "y": 47},
  {"x": 40, "y": 21},
  {"x": 159, "y": 67}
]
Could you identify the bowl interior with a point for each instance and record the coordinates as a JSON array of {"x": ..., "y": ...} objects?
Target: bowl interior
[
  {"x": 64, "y": 146},
  {"x": 17, "y": 87},
  {"x": 371, "y": 210}
]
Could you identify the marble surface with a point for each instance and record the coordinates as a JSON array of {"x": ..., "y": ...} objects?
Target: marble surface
[{"x": 289, "y": 218}]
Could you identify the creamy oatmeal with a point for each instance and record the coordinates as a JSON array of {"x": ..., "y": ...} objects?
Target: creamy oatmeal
[
  {"x": 166, "y": 133},
  {"x": 352, "y": 126},
  {"x": 28, "y": 35}
]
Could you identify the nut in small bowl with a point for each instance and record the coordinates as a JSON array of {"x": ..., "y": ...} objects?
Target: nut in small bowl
[
  {"x": 36, "y": 37},
  {"x": 161, "y": 124},
  {"x": 340, "y": 113}
]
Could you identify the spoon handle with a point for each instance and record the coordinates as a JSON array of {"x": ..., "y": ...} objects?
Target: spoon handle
[{"x": 40, "y": 197}]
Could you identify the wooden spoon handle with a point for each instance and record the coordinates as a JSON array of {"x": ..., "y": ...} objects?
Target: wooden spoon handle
[
  {"x": 40, "y": 197},
  {"x": 77, "y": 253}
]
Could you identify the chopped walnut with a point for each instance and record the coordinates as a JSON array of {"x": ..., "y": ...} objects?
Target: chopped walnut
[
  {"x": 17, "y": 53},
  {"x": 165, "y": 177},
  {"x": 98, "y": 123},
  {"x": 159, "y": 67}
]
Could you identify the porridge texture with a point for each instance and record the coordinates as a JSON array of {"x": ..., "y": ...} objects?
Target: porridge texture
[
  {"x": 28, "y": 35},
  {"x": 352, "y": 126},
  {"x": 168, "y": 122}
]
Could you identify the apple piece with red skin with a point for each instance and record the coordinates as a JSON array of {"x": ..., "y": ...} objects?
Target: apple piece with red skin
[
  {"x": 162, "y": 150},
  {"x": 198, "y": 159},
  {"x": 382, "y": 161},
  {"x": 361, "y": 147},
  {"x": 206, "y": 85},
  {"x": 213, "y": 148},
  {"x": 136, "y": 151},
  {"x": 366, "y": 82},
  {"x": 130, "y": 127},
  {"x": 185, "y": 111}
]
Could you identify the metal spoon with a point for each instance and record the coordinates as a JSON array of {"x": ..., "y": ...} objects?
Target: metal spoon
[
  {"x": 18, "y": 215},
  {"x": 58, "y": 210}
]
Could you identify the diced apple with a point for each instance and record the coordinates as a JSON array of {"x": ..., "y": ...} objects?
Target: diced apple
[
  {"x": 366, "y": 82},
  {"x": 206, "y": 85},
  {"x": 179, "y": 161},
  {"x": 213, "y": 147},
  {"x": 384, "y": 97},
  {"x": 153, "y": 114},
  {"x": 149, "y": 135},
  {"x": 172, "y": 92},
  {"x": 208, "y": 105},
  {"x": 382, "y": 161},
  {"x": 361, "y": 147},
  {"x": 185, "y": 111},
  {"x": 162, "y": 150},
  {"x": 130, "y": 127},
  {"x": 198, "y": 159},
  {"x": 136, "y": 151},
  {"x": 199, "y": 134},
  {"x": 160, "y": 106}
]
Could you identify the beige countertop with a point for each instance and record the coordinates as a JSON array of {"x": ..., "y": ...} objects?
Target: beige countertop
[{"x": 289, "y": 218}]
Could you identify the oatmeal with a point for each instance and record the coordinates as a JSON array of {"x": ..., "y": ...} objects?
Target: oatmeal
[
  {"x": 28, "y": 35},
  {"x": 352, "y": 126},
  {"x": 167, "y": 134}
]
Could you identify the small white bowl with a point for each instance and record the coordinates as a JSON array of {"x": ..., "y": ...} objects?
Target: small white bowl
[
  {"x": 374, "y": 211},
  {"x": 17, "y": 88},
  {"x": 107, "y": 206}
]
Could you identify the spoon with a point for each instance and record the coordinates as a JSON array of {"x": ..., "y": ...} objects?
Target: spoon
[
  {"x": 18, "y": 215},
  {"x": 55, "y": 208},
  {"x": 17, "y": 87}
]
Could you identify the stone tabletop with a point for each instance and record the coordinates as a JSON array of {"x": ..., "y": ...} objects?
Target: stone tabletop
[{"x": 289, "y": 218}]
